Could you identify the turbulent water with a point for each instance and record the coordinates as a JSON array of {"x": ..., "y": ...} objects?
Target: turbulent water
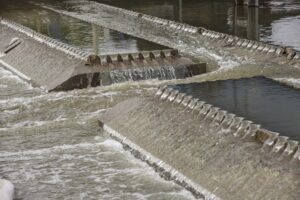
[
  {"x": 50, "y": 143},
  {"x": 51, "y": 146}
]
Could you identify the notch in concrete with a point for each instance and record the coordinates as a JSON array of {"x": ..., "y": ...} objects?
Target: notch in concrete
[
  {"x": 297, "y": 56},
  {"x": 151, "y": 56},
  {"x": 173, "y": 95},
  {"x": 266, "y": 48},
  {"x": 212, "y": 113},
  {"x": 179, "y": 98},
  {"x": 186, "y": 100},
  {"x": 268, "y": 138},
  {"x": 162, "y": 55},
  {"x": 130, "y": 57},
  {"x": 166, "y": 93},
  {"x": 279, "y": 51},
  {"x": 12, "y": 45},
  {"x": 280, "y": 144},
  {"x": 227, "y": 121},
  {"x": 119, "y": 58},
  {"x": 221, "y": 114},
  {"x": 193, "y": 103},
  {"x": 141, "y": 56},
  {"x": 160, "y": 90},
  {"x": 291, "y": 148},
  {"x": 174, "y": 53},
  {"x": 93, "y": 60},
  {"x": 109, "y": 59}
]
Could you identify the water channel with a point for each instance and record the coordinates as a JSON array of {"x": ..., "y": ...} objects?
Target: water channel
[{"x": 50, "y": 143}]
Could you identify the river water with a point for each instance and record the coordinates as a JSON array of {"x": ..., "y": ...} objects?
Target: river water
[{"x": 51, "y": 146}]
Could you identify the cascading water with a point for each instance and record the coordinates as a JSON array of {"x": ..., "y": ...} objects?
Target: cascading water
[
  {"x": 212, "y": 149},
  {"x": 160, "y": 73},
  {"x": 51, "y": 146}
]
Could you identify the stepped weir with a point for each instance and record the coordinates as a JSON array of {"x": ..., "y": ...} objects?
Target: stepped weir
[
  {"x": 57, "y": 66},
  {"x": 213, "y": 153},
  {"x": 180, "y": 35}
]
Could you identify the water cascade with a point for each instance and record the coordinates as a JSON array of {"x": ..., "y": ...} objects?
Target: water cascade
[
  {"x": 215, "y": 153},
  {"x": 187, "y": 38},
  {"x": 67, "y": 67}
]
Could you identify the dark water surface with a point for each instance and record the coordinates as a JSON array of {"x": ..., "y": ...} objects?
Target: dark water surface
[
  {"x": 88, "y": 37},
  {"x": 276, "y": 22},
  {"x": 275, "y": 106}
]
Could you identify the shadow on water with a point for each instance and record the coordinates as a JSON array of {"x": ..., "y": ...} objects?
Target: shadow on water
[{"x": 264, "y": 101}]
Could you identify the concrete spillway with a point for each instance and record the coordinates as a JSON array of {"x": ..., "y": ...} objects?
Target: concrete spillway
[
  {"x": 176, "y": 34},
  {"x": 212, "y": 152},
  {"x": 58, "y": 66}
]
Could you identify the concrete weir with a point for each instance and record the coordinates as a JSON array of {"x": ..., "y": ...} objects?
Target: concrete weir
[
  {"x": 177, "y": 34},
  {"x": 57, "y": 66},
  {"x": 211, "y": 152}
]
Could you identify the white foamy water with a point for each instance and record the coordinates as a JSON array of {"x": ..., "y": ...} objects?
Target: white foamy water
[
  {"x": 52, "y": 148},
  {"x": 6, "y": 190}
]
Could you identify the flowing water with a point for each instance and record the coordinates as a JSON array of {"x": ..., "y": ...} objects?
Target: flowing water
[
  {"x": 91, "y": 38},
  {"x": 51, "y": 146},
  {"x": 267, "y": 23}
]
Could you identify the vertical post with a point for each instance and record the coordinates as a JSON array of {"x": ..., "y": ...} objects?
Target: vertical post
[
  {"x": 177, "y": 7},
  {"x": 180, "y": 10},
  {"x": 95, "y": 39},
  {"x": 250, "y": 3},
  {"x": 239, "y": 2},
  {"x": 253, "y": 3},
  {"x": 38, "y": 23},
  {"x": 253, "y": 23}
]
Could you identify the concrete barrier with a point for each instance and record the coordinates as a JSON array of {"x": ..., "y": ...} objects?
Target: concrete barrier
[
  {"x": 162, "y": 30},
  {"x": 58, "y": 66},
  {"x": 220, "y": 155}
]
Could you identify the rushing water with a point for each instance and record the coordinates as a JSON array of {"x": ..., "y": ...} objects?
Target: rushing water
[{"x": 51, "y": 146}]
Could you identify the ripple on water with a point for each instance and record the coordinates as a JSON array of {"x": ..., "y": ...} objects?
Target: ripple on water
[{"x": 51, "y": 146}]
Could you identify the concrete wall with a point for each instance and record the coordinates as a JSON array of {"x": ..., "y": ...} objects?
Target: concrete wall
[
  {"x": 207, "y": 150},
  {"x": 58, "y": 66}
]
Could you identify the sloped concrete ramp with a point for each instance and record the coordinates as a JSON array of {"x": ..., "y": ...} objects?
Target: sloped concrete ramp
[
  {"x": 211, "y": 152},
  {"x": 57, "y": 66}
]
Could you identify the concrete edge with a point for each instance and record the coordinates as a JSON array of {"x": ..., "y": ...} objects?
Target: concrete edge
[
  {"x": 165, "y": 170},
  {"x": 68, "y": 49},
  {"x": 289, "y": 53},
  {"x": 78, "y": 53},
  {"x": 241, "y": 128}
]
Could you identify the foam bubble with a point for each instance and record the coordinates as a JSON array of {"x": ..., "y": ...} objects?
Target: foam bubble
[{"x": 6, "y": 190}]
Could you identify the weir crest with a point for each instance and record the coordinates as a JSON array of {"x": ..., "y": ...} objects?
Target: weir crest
[
  {"x": 226, "y": 155},
  {"x": 75, "y": 69},
  {"x": 238, "y": 126}
]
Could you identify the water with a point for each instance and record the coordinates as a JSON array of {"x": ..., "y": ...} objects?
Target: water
[
  {"x": 87, "y": 37},
  {"x": 207, "y": 150},
  {"x": 268, "y": 23},
  {"x": 275, "y": 106},
  {"x": 51, "y": 146}
]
